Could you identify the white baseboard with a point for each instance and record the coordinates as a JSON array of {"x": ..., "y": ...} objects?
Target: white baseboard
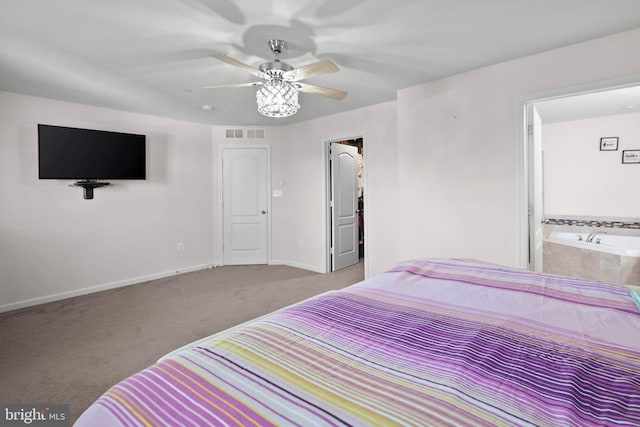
[
  {"x": 98, "y": 288},
  {"x": 121, "y": 283},
  {"x": 313, "y": 268}
]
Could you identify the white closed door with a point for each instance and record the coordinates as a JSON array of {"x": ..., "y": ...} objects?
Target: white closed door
[
  {"x": 344, "y": 205},
  {"x": 245, "y": 205}
]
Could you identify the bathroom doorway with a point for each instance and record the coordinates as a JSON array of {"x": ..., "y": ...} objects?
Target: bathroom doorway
[{"x": 575, "y": 175}]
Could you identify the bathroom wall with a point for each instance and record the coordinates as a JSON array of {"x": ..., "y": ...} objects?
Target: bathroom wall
[
  {"x": 582, "y": 181},
  {"x": 587, "y": 190}
]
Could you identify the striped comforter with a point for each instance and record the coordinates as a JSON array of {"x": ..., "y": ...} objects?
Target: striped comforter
[{"x": 432, "y": 342}]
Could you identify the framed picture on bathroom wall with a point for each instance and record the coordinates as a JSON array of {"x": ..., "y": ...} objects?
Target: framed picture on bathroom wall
[
  {"x": 609, "y": 143},
  {"x": 630, "y": 156}
]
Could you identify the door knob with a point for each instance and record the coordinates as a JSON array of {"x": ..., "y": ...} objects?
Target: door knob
[{"x": 263, "y": 212}]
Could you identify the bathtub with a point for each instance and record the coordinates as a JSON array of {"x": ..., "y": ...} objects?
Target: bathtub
[
  {"x": 602, "y": 242},
  {"x": 608, "y": 258}
]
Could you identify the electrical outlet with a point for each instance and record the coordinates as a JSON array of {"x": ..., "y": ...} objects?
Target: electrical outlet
[{"x": 180, "y": 247}]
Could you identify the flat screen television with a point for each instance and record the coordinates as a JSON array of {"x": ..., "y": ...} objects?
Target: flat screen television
[{"x": 85, "y": 154}]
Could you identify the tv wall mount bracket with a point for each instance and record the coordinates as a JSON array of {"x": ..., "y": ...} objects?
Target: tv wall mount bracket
[{"x": 88, "y": 185}]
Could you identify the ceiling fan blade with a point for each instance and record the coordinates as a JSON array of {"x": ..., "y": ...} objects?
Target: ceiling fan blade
[
  {"x": 319, "y": 90},
  {"x": 233, "y": 85},
  {"x": 229, "y": 60},
  {"x": 310, "y": 70}
]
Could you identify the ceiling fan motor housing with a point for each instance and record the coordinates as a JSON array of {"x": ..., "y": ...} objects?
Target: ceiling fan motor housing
[
  {"x": 277, "y": 46},
  {"x": 275, "y": 69}
]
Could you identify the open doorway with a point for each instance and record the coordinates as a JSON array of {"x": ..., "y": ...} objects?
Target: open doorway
[
  {"x": 578, "y": 181},
  {"x": 345, "y": 202}
]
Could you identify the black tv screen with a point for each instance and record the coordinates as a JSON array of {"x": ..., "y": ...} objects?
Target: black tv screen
[{"x": 71, "y": 153}]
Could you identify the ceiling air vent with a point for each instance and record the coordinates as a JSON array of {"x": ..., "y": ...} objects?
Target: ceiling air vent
[
  {"x": 234, "y": 133},
  {"x": 240, "y": 133},
  {"x": 255, "y": 133}
]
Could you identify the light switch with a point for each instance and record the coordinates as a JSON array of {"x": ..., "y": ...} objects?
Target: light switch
[{"x": 277, "y": 193}]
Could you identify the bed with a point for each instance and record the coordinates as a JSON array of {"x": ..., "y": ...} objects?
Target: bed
[{"x": 431, "y": 342}]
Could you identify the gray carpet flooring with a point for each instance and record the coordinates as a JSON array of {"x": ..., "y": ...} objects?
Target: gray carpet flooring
[{"x": 72, "y": 351}]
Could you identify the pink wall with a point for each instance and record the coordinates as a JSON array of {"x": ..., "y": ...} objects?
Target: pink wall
[
  {"x": 459, "y": 160},
  {"x": 300, "y": 162},
  {"x": 53, "y": 243},
  {"x": 443, "y": 179}
]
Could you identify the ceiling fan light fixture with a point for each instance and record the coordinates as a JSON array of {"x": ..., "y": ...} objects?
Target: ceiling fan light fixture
[
  {"x": 277, "y": 98},
  {"x": 277, "y": 94}
]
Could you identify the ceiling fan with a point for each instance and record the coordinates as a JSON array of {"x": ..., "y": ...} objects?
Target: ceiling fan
[{"x": 277, "y": 94}]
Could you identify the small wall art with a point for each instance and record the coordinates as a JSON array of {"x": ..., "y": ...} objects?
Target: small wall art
[
  {"x": 609, "y": 143},
  {"x": 631, "y": 156}
]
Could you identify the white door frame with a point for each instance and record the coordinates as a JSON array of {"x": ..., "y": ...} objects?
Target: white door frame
[
  {"x": 220, "y": 210},
  {"x": 525, "y": 165},
  {"x": 535, "y": 186},
  {"x": 326, "y": 187}
]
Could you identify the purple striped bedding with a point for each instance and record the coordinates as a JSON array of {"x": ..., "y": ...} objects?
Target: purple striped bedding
[{"x": 431, "y": 342}]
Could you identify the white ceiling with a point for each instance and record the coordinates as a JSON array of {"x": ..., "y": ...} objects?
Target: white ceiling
[
  {"x": 595, "y": 104},
  {"x": 153, "y": 56}
]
